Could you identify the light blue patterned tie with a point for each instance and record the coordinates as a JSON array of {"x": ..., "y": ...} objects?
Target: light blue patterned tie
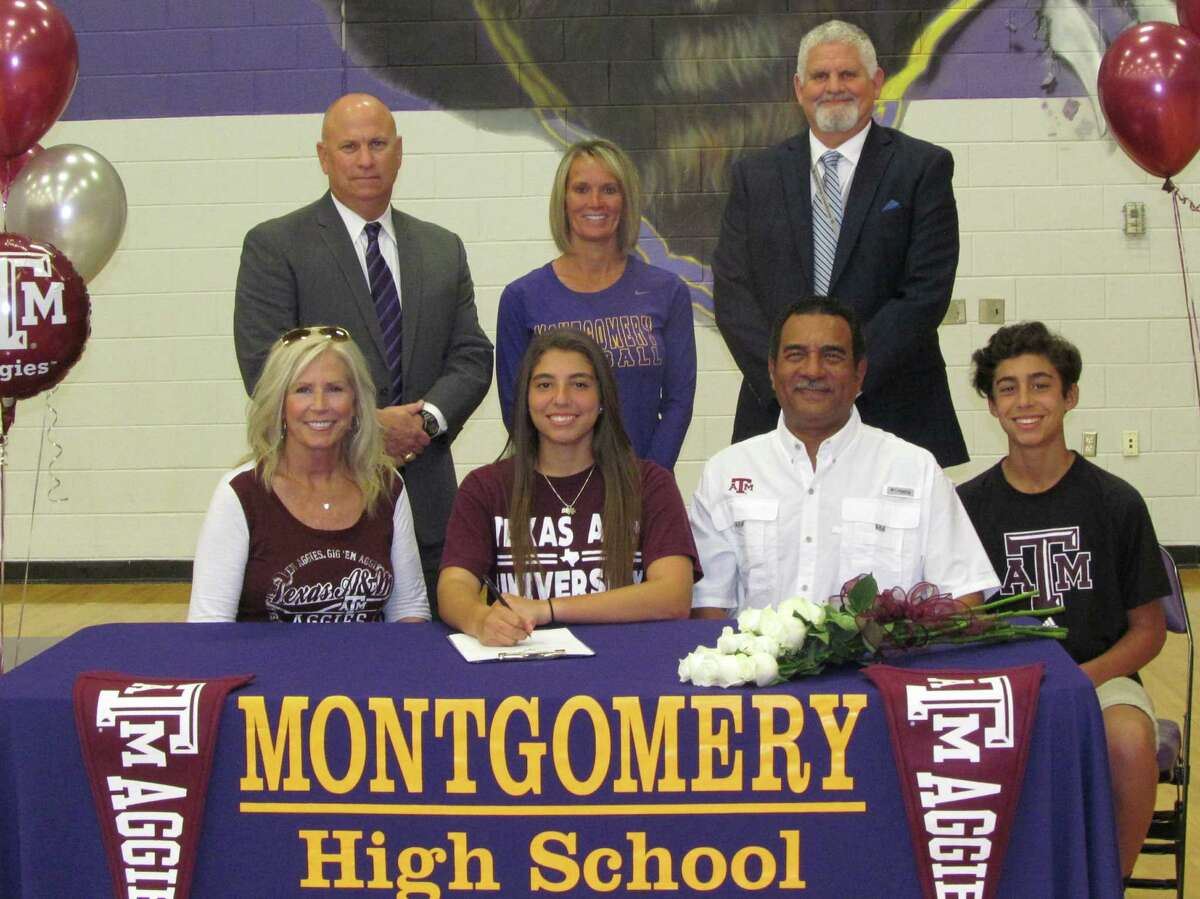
[
  {"x": 827, "y": 222},
  {"x": 387, "y": 306}
]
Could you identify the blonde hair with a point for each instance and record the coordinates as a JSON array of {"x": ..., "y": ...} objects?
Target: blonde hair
[
  {"x": 362, "y": 450},
  {"x": 616, "y": 161}
]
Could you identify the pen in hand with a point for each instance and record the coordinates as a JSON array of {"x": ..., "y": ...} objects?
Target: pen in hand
[
  {"x": 499, "y": 597},
  {"x": 496, "y": 594}
]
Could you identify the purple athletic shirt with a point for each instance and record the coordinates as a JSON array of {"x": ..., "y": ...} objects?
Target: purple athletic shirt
[{"x": 643, "y": 322}]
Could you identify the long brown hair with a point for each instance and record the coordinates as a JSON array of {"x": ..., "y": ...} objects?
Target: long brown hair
[{"x": 611, "y": 451}]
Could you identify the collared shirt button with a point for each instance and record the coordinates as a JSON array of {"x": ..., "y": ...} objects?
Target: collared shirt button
[
  {"x": 808, "y": 539},
  {"x": 811, "y": 491}
]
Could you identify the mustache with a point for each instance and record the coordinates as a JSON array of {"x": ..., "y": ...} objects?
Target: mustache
[
  {"x": 819, "y": 384},
  {"x": 838, "y": 97}
]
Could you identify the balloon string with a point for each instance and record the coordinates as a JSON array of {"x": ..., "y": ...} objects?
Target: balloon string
[
  {"x": 342, "y": 40},
  {"x": 51, "y": 438},
  {"x": 37, "y": 478},
  {"x": 1189, "y": 305},
  {"x": 1169, "y": 187}
]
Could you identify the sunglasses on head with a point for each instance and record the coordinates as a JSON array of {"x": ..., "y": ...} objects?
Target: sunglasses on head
[{"x": 333, "y": 332}]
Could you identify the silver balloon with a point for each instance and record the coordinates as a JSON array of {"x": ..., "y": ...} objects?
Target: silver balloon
[{"x": 72, "y": 197}]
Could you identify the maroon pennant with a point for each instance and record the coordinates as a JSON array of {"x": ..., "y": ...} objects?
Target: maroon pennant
[
  {"x": 148, "y": 747},
  {"x": 961, "y": 739}
]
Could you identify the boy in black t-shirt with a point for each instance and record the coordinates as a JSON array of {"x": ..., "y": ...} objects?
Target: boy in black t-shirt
[{"x": 1053, "y": 522}]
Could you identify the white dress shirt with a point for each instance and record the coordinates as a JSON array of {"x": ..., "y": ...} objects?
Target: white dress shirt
[
  {"x": 768, "y": 525},
  {"x": 356, "y": 228},
  {"x": 851, "y": 152}
]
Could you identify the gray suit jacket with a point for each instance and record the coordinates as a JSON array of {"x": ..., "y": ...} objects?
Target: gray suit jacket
[{"x": 302, "y": 269}]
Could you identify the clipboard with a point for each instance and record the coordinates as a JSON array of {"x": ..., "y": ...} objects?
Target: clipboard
[{"x": 545, "y": 643}]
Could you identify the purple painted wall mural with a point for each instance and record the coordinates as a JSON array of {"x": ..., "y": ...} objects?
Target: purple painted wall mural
[{"x": 684, "y": 85}]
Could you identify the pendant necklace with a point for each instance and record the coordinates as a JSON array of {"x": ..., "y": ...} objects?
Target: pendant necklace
[{"x": 568, "y": 508}]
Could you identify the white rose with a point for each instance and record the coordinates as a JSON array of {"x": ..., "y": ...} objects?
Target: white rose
[
  {"x": 685, "y": 668},
  {"x": 734, "y": 670},
  {"x": 811, "y": 612},
  {"x": 747, "y": 668},
  {"x": 748, "y": 620},
  {"x": 729, "y": 642},
  {"x": 687, "y": 665},
  {"x": 794, "y": 632},
  {"x": 766, "y": 669},
  {"x": 760, "y": 643},
  {"x": 770, "y": 624},
  {"x": 705, "y": 666},
  {"x": 790, "y": 605}
]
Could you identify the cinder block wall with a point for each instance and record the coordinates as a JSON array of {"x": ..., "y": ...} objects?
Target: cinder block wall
[{"x": 153, "y": 414}]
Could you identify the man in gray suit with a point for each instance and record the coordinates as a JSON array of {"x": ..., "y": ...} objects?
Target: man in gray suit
[{"x": 350, "y": 259}]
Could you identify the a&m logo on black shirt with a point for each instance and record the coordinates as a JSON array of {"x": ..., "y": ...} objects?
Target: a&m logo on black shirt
[{"x": 1049, "y": 561}]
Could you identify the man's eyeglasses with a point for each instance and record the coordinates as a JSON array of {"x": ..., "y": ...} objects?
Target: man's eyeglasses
[{"x": 333, "y": 332}]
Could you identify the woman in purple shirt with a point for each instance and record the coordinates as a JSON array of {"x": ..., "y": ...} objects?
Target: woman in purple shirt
[{"x": 640, "y": 315}]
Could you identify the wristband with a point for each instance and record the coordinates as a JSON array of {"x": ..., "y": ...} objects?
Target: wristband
[{"x": 550, "y": 602}]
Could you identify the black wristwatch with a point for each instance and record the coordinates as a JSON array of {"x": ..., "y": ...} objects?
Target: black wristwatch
[{"x": 429, "y": 424}]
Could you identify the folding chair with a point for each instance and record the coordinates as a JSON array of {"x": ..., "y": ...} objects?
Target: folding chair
[{"x": 1168, "y": 829}]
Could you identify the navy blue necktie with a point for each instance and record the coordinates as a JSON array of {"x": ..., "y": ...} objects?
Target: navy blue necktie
[{"x": 387, "y": 307}]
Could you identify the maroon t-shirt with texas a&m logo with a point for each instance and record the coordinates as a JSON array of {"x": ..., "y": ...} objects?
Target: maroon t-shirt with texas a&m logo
[
  {"x": 302, "y": 574},
  {"x": 569, "y": 548}
]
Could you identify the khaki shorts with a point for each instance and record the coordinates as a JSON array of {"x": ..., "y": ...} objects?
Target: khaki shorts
[{"x": 1127, "y": 691}]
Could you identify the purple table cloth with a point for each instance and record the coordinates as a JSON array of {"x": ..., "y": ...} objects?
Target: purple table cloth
[{"x": 575, "y": 832}]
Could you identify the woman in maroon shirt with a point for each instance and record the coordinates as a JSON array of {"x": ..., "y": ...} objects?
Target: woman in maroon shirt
[
  {"x": 316, "y": 525},
  {"x": 603, "y": 537}
]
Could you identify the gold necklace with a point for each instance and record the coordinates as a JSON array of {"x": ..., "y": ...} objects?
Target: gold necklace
[{"x": 568, "y": 508}]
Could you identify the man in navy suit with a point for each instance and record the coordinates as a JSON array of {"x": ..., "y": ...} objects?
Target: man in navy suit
[
  {"x": 310, "y": 268},
  {"x": 886, "y": 243}
]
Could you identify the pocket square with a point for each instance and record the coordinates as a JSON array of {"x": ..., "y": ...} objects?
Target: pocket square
[{"x": 890, "y": 205}]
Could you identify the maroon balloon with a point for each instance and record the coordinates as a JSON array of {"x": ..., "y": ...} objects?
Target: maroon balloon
[
  {"x": 1150, "y": 92},
  {"x": 10, "y": 168},
  {"x": 39, "y": 61},
  {"x": 48, "y": 317},
  {"x": 1189, "y": 15}
]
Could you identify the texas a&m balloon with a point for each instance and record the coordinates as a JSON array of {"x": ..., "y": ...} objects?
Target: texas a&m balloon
[{"x": 45, "y": 316}]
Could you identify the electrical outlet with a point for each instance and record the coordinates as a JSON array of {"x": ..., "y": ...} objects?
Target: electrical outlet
[
  {"x": 1135, "y": 218},
  {"x": 1129, "y": 443},
  {"x": 1089, "y": 443},
  {"x": 956, "y": 313},
  {"x": 991, "y": 311}
]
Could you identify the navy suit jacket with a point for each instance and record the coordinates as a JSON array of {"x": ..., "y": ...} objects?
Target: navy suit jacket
[
  {"x": 302, "y": 269},
  {"x": 896, "y": 257}
]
